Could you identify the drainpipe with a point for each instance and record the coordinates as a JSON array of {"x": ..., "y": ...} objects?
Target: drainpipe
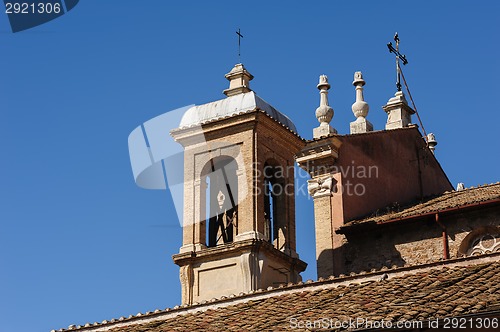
[{"x": 446, "y": 252}]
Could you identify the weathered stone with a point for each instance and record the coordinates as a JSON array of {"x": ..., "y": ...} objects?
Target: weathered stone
[
  {"x": 360, "y": 108},
  {"x": 398, "y": 112}
]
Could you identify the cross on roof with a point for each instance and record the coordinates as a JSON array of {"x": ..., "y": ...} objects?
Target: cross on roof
[
  {"x": 398, "y": 56},
  {"x": 239, "y": 41}
]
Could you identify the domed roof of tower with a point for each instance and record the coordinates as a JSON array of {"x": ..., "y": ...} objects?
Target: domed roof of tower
[{"x": 240, "y": 99}]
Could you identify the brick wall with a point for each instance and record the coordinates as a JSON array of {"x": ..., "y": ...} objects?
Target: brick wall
[{"x": 413, "y": 242}]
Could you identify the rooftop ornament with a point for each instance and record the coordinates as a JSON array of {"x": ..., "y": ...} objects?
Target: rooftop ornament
[
  {"x": 360, "y": 108},
  {"x": 324, "y": 113}
]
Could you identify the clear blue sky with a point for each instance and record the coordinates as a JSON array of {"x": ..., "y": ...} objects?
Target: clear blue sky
[{"x": 80, "y": 242}]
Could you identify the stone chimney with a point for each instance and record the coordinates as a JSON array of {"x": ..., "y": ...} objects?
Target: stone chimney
[
  {"x": 398, "y": 112},
  {"x": 324, "y": 113},
  {"x": 360, "y": 108},
  {"x": 239, "y": 80}
]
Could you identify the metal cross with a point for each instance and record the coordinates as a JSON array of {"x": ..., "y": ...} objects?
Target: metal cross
[
  {"x": 239, "y": 42},
  {"x": 398, "y": 56}
]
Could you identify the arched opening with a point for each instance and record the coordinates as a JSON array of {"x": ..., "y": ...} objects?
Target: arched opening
[
  {"x": 275, "y": 221},
  {"x": 270, "y": 212},
  {"x": 221, "y": 199},
  {"x": 480, "y": 241}
]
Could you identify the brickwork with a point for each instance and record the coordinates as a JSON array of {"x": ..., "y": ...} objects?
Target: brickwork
[
  {"x": 250, "y": 140},
  {"x": 413, "y": 242}
]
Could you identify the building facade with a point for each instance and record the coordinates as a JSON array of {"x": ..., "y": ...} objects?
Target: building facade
[{"x": 396, "y": 245}]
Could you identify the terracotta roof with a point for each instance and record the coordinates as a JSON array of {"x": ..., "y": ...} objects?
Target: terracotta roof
[
  {"x": 451, "y": 289},
  {"x": 448, "y": 200}
]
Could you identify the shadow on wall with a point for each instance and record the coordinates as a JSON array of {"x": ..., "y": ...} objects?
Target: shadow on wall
[
  {"x": 347, "y": 259},
  {"x": 360, "y": 260}
]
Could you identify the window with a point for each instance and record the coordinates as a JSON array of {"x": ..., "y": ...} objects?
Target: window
[
  {"x": 480, "y": 241},
  {"x": 275, "y": 223},
  {"x": 221, "y": 201},
  {"x": 270, "y": 213}
]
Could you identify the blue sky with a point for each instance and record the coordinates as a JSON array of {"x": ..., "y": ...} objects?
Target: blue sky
[{"x": 80, "y": 242}]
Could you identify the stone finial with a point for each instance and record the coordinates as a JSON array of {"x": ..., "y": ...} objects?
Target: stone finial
[
  {"x": 360, "y": 108},
  {"x": 324, "y": 113},
  {"x": 431, "y": 142},
  {"x": 239, "y": 80},
  {"x": 398, "y": 112}
]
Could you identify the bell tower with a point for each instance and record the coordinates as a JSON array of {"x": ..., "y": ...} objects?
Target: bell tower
[{"x": 239, "y": 200}]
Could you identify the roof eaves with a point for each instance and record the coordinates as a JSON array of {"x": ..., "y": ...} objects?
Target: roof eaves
[
  {"x": 260, "y": 294},
  {"x": 405, "y": 214},
  {"x": 209, "y": 121}
]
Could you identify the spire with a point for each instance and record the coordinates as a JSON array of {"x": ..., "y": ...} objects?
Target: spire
[
  {"x": 239, "y": 80},
  {"x": 360, "y": 108},
  {"x": 324, "y": 113}
]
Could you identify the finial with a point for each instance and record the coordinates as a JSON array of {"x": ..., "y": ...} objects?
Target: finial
[
  {"x": 360, "y": 108},
  {"x": 324, "y": 113},
  {"x": 239, "y": 80},
  {"x": 431, "y": 142}
]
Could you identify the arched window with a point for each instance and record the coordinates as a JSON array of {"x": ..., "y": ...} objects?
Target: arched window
[
  {"x": 483, "y": 240},
  {"x": 221, "y": 201}
]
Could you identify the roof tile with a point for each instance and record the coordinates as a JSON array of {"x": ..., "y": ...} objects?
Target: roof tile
[
  {"x": 412, "y": 296},
  {"x": 448, "y": 200}
]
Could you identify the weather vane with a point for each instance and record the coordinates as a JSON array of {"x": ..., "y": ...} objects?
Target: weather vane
[
  {"x": 398, "y": 56},
  {"x": 239, "y": 42}
]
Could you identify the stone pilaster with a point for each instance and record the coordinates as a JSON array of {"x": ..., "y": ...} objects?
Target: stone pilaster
[{"x": 318, "y": 159}]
